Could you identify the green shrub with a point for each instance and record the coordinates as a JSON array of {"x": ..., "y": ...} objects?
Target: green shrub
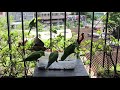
[{"x": 87, "y": 62}]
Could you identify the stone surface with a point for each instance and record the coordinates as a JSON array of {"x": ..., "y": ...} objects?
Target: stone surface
[{"x": 71, "y": 64}]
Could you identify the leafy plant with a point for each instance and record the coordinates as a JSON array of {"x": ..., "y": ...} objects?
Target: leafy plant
[
  {"x": 104, "y": 73},
  {"x": 113, "y": 23},
  {"x": 12, "y": 67},
  {"x": 87, "y": 62}
]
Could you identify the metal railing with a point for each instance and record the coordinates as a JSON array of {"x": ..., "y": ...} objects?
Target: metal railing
[{"x": 92, "y": 25}]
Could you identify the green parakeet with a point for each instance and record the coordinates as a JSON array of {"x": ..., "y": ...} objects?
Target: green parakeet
[
  {"x": 52, "y": 58},
  {"x": 68, "y": 50},
  {"x": 34, "y": 56},
  {"x": 71, "y": 48},
  {"x": 39, "y": 45},
  {"x": 38, "y": 42},
  {"x": 33, "y": 24}
]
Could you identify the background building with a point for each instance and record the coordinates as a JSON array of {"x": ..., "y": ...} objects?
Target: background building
[
  {"x": 57, "y": 17},
  {"x": 2, "y": 14},
  {"x": 17, "y": 16}
]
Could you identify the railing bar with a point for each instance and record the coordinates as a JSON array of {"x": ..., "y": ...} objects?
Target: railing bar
[
  {"x": 64, "y": 30},
  {"x": 9, "y": 42},
  {"x": 79, "y": 26},
  {"x": 108, "y": 64},
  {"x": 91, "y": 43},
  {"x": 23, "y": 44},
  {"x": 78, "y": 32},
  {"x": 105, "y": 37},
  {"x": 51, "y": 31},
  {"x": 36, "y": 25}
]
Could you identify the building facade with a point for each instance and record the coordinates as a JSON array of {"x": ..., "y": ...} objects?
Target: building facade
[
  {"x": 2, "y": 14},
  {"x": 26, "y": 16},
  {"x": 57, "y": 17}
]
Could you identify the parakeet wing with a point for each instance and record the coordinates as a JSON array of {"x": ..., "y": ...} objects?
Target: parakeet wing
[
  {"x": 34, "y": 56},
  {"x": 38, "y": 42},
  {"x": 31, "y": 25},
  {"x": 52, "y": 58},
  {"x": 68, "y": 50}
]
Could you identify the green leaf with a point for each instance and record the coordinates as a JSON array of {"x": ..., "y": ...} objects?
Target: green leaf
[{"x": 87, "y": 62}]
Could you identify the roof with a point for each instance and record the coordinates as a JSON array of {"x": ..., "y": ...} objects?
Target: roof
[
  {"x": 53, "y": 17},
  {"x": 53, "y": 21}
]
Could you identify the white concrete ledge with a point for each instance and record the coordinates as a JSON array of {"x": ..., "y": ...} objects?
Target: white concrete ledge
[{"x": 57, "y": 65}]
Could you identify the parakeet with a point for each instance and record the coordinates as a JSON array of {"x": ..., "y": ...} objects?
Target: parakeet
[
  {"x": 68, "y": 50},
  {"x": 20, "y": 43},
  {"x": 38, "y": 42},
  {"x": 34, "y": 56},
  {"x": 37, "y": 48},
  {"x": 71, "y": 48},
  {"x": 33, "y": 24},
  {"x": 39, "y": 45},
  {"x": 52, "y": 58},
  {"x": 80, "y": 38}
]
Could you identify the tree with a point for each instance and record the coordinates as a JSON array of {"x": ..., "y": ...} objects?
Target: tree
[{"x": 113, "y": 21}]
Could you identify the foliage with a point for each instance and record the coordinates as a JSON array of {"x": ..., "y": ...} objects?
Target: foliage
[
  {"x": 118, "y": 68},
  {"x": 26, "y": 24},
  {"x": 104, "y": 73},
  {"x": 89, "y": 20},
  {"x": 87, "y": 62},
  {"x": 113, "y": 21},
  {"x": 40, "y": 27},
  {"x": 59, "y": 42},
  {"x": 17, "y": 54},
  {"x": 68, "y": 24},
  {"x": 115, "y": 32},
  {"x": 97, "y": 46},
  {"x": 81, "y": 24},
  {"x": 3, "y": 22},
  {"x": 54, "y": 29}
]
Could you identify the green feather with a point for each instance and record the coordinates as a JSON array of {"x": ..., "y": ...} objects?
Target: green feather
[
  {"x": 68, "y": 50},
  {"x": 34, "y": 56},
  {"x": 31, "y": 25},
  {"x": 52, "y": 58}
]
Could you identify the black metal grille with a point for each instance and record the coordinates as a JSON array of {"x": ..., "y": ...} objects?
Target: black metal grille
[{"x": 101, "y": 59}]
